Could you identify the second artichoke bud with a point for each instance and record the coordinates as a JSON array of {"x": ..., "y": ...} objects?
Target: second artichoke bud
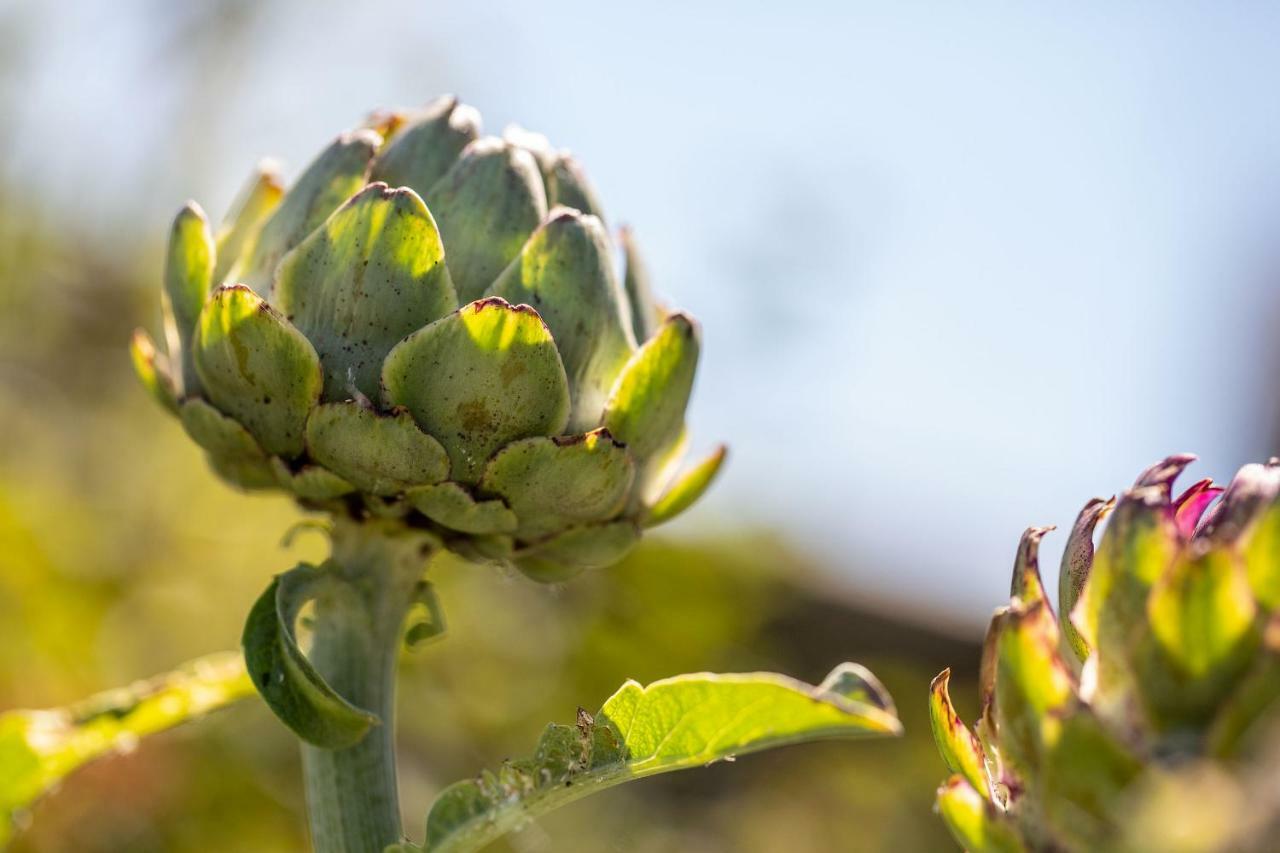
[
  {"x": 430, "y": 325},
  {"x": 1145, "y": 715}
]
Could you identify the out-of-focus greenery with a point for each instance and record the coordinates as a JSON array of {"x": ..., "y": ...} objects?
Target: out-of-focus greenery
[{"x": 122, "y": 556}]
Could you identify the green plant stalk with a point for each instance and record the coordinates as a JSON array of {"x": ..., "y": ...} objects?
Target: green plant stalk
[{"x": 352, "y": 798}]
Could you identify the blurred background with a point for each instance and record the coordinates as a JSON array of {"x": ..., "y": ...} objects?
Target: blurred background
[{"x": 958, "y": 269}]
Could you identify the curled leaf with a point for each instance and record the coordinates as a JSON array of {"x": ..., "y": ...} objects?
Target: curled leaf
[{"x": 287, "y": 681}]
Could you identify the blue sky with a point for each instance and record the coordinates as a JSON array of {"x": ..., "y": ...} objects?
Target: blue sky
[{"x": 958, "y": 269}]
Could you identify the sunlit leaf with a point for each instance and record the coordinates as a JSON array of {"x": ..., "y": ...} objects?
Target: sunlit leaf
[
  {"x": 39, "y": 748},
  {"x": 677, "y": 723}
]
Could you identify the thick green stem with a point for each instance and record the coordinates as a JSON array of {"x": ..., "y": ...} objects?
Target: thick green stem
[{"x": 352, "y": 796}]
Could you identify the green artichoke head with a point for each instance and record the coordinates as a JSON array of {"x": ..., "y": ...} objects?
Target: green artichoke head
[
  {"x": 1145, "y": 715},
  {"x": 430, "y": 325}
]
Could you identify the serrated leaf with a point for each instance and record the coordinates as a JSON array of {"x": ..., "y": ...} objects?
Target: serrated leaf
[
  {"x": 486, "y": 375},
  {"x": 382, "y": 454},
  {"x": 257, "y": 368},
  {"x": 332, "y": 178},
  {"x": 356, "y": 286},
  {"x": 552, "y": 483},
  {"x": 287, "y": 681},
  {"x": 687, "y": 489},
  {"x": 487, "y": 205},
  {"x": 40, "y": 748},
  {"x": 565, "y": 271},
  {"x": 674, "y": 724}
]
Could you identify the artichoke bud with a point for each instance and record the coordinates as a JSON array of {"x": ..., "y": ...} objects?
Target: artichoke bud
[
  {"x": 1175, "y": 666},
  {"x": 405, "y": 334}
]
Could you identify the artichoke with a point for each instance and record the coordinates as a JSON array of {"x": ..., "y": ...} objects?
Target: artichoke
[
  {"x": 429, "y": 327},
  {"x": 1146, "y": 715}
]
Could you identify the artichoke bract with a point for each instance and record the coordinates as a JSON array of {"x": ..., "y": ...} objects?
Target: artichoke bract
[
  {"x": 431, "y": 325},
  {"x": 1145, "y": 715}
]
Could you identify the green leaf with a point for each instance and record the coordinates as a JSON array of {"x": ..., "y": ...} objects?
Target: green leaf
[
  {"x": 687, "y": 488},
  {"x": 646, "y": 315},
  {"x": 565, "y": 271},
  {"x": 1032, "y": 683},
  {"x": 552, "y": 483},
  {"x": 1077, "y": 562},
  {"x": 975, "y": 823},
  {"x": 674, "y": 724},
  {"x": 332, "y": 178},
  {"x": 233, "y": 453},
  {"x": 451, "y": 505},
  {"x": 188, "y": 275},
  {"x": 1026, "y": 585},
  {"x": 287, "y": 681},
  {"x": 646, "y": 407},
  {"x": 1262, "y": 555},
  {"x": 257, "y": 368},
  {"x": 380, "y": 454},
  {"x": 568, "y": 185},
  {"x": 153, "y": 370},
  {"x": 590, "y": 546},
  {"x": 425, "y": 620},
  {"x": 1202, "y": 610},
  {"x": 1254, "y": 699},
  {"x": 1201, "y": 638},
  {"x": 959, "y": 746},
  {"x": 427, "y": 146},
  {"x": 250, "y": 209},
  {"x": 486, "y": 375},
  {"x": 565, "y": 180},
  {"x": 487, "y": 205},
  {"x": 40, "y": 748},
  {"x": 310, "y": 482},
  {"x": 362, "y": 281}
]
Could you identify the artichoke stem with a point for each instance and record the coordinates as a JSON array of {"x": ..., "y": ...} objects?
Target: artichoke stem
[{"x": 352, "y": 798}]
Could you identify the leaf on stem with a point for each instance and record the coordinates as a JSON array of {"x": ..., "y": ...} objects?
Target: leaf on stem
[
  {"x": 40, "y": 748},
  {"x": 287, "y": 681},
  {"x": 673, "y": 724}
]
